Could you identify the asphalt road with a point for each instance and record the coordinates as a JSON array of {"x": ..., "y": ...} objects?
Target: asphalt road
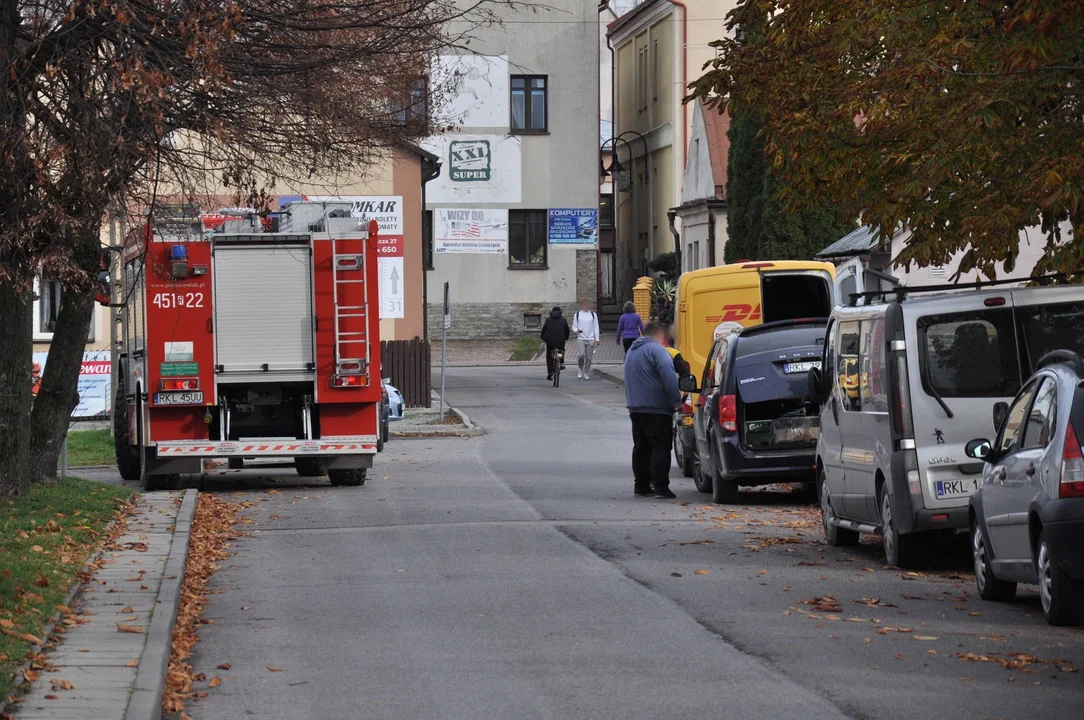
[{"x": 515, "y": 576}]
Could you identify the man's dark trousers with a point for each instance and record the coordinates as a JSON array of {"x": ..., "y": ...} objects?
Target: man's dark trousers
[{"x": 652, "y": 441}]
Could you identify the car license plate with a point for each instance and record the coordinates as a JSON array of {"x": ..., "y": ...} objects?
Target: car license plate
[
  {"x": 178, "y": 398},
  {"x": 801, "y": 367},
  {"x": 955, "y": 488}
]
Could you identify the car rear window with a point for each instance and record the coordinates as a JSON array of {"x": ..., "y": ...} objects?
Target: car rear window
[
  {"x": 1058, "y": 326},
  {"x": 773, "y": 365},
  {"x": 969, "y": 354}
]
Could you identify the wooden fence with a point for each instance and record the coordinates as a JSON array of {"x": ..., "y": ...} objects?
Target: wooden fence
[{"x": 407, "y": 365}]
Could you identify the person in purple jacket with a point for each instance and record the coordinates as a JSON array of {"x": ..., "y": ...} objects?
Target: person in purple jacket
[{"x": 629, "y": 327}]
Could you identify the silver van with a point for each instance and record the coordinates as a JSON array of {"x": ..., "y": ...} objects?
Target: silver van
[{"x": 905, "y": 384}]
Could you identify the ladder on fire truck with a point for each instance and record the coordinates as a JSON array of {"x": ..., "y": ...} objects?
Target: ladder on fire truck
[{"x": 351, "y": 344}]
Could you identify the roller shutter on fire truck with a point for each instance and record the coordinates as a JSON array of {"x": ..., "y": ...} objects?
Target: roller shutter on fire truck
[{"x": 263, "y": 312}]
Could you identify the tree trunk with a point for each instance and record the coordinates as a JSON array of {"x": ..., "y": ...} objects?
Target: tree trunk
[
  {"x": 59, "y": 393},
  {"x": 16, "y": 357}
]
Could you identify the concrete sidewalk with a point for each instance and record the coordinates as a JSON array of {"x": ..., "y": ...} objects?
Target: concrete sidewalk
[{"x": 111, "y": 664}]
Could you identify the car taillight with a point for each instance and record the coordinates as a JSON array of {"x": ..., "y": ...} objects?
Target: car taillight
[
  {"x": 1072, "y": 467},
  {"x": 728, "y": 413},
  {"x": 687, "y": 406},
  {"x": 179, "y": 384},
  {"x": 901, "y": 409}
]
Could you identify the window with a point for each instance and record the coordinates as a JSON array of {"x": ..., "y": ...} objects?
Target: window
[
  {"x": 847, "y": 285},
  {"x": 1007, "y": 442},
  {"x": 529, "y": 106},
  {"x": 47, "y": 310},
  {"x": 606, "y": 211},
  {"x": 415, "y": 110},
  {"x": 696, "y": 255},
  {"x": 847, "y": 367},
  {"x": 655, "y": 72},
  {"x": 427, "y": 238},
  {"x": 873, "y": 369},
  {"x": 1042, "y": 420},
  {"x": 1042, "y": 328},
  {"x": 527, "y": 242},
  {"x": 532, "y": 321},
  {"x": 969, "y": 354}
]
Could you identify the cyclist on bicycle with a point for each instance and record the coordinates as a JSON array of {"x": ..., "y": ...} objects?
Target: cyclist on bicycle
[{"x": 555, "y": 333}]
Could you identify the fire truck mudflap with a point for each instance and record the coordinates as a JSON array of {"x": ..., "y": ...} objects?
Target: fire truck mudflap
[{"x": 256, "y": 340}]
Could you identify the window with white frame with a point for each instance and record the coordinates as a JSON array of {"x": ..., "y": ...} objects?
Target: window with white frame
[{"x": 47, "y": 310}]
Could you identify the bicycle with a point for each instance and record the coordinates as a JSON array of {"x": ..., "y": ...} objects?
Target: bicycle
[{"x": 558, "y": 359}]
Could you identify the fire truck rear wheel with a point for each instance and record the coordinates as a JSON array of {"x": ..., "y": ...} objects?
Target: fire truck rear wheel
[
  {"x": 128, "y": 462},
  {"x": 308, "y": 467},
  {"x": 235, "y": 463},
  {"x": 353, "y": 477}
]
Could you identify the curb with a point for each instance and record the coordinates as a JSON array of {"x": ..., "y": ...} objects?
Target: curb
[
  {"x": 469, "y": 429},
  {"x": 145, "y": 702},
  {"x": 619, "y": 380}
]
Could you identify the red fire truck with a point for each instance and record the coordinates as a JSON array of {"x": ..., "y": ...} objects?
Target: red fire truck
[{"x": 257, "y": 339}]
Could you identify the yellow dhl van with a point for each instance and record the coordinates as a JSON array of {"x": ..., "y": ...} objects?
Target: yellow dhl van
[{"x": 716, "y": 300}]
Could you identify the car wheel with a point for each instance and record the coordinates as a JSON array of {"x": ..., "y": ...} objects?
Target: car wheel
[
  {"x": 723, "y": 491},
  {"x": 905, "y": 551},
  {"x": 1061, "y": 595},
  {"x": 684, "y": 459},
  {"x": 833, "y": 535},
  {"x": 988, "y": 584},
  {"x": 308, "y": 467},
  {"x": 701, "y": 479},
  {"x": 128, "y": 460},
  {"x": 353, "y": 477}
]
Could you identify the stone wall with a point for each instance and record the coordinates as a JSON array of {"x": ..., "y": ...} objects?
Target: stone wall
[{"x": 478, "y": 321}]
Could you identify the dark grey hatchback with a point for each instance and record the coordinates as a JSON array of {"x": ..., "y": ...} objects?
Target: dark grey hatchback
[{"x": 754, "y": 422}]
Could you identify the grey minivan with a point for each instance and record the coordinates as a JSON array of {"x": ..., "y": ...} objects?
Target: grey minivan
[{"x": 904, "y": 385}]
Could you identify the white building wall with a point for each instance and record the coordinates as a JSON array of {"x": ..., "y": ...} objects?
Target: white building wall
[{"x": 558, "y": 169}]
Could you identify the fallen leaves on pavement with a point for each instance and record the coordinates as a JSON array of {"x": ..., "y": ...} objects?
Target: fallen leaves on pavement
[
  {"x": 272, "y": 668},
  {"x": 212, "y": 530},
  {"x": 1017, "y": 661},
  {"x": 121, "y": 627},
  {"x": 826, "y": 603}
]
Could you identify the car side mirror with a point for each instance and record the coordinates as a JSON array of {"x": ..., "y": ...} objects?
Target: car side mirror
[
  {"x": 687, "y": 384},
  {"x": 1001, "y": 409},
  {"x": 978, "y": 449},
  {"x": 816, "y": 384}
]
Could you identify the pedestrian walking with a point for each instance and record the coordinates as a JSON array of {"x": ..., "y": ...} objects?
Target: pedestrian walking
[
  {"x": 585, "y": 326},
  {"x": 652, "y": 397},
  {"x": 555, "y": 332},
  {"x": 629, "y": 327}
]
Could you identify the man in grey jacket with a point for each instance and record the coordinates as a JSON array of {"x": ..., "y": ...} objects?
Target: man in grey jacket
[{"x": 652, "y": 397}]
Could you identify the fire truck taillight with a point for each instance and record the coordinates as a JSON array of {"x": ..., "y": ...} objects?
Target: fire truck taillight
[
  {"x": 178, "y": 262},
  {"x": 178, "y": 384},
  {"x": 347, "y": 381}
]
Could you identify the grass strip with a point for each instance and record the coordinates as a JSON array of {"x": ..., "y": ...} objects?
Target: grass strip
[
  {"x": 46, "y": 537},
  {"x": 525, "y": 348},
  {"x": 87, "y": 448}
]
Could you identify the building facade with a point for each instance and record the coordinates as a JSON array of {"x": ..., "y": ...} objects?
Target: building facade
[
  {"x": 702, "y": 212},
  {"x": 659, "y": 47},
  {"x": 512, "y": 219}
]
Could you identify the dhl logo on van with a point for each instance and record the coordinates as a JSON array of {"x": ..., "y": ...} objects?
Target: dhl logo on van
[{"x": 735, "y": 313}]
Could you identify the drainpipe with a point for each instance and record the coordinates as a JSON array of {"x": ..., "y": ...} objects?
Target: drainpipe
[
  {"x": 711, "y": 237},
  {"x": 430, "y": 171},
  {"x": 671, "y": 215}
]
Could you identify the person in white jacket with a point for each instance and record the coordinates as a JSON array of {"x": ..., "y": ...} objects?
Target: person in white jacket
[{"x": 585, "y": 327}]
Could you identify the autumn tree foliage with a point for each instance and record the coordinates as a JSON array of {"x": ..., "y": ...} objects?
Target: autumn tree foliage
[
  {"x": 107, "y": 102},
  {"x": 962, "y": 120}
]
